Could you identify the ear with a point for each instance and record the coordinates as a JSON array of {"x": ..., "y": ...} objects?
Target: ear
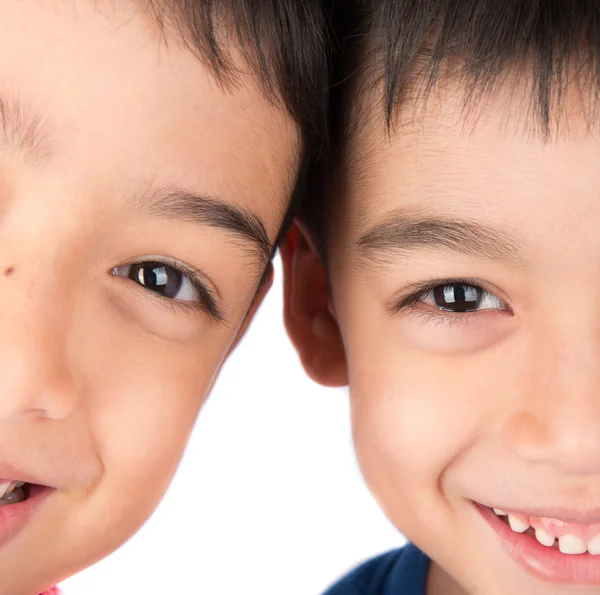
[
  {"x": 308, "y": 315},
  {"x": 266, "y": 284}
]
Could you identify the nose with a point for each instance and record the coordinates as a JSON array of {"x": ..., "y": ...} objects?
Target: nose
[
  {"x": 35, "y": 377},
  {"x": 557, "y": 420}
]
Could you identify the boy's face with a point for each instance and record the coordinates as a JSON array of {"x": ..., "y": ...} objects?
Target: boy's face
[
  {"x": 464, "y": 261},
  {"x": 137, "y": 204}
]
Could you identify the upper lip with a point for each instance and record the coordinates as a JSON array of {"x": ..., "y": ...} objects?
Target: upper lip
[
  {"x": 8, "y": 473},
  {"x": 560, "y": 513},
  {"x": 50, "y": 460}
]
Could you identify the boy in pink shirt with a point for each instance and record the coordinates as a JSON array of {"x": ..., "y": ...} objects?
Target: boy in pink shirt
[{"x": 149, "y": 153}]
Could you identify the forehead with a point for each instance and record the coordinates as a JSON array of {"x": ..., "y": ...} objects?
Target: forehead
[
  {"x": 113, "y": 96},
  {"x": 459, "y": 157}
]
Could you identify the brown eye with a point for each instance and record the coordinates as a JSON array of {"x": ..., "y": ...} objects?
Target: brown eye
[
  {"x": 457, "y": 298},
  {"x": 460, "y": 297},
  {"x": 157, "y": 277},
  {"x": 160, "y": 278}
]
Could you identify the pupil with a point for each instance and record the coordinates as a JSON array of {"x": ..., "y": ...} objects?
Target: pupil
[
  {"x": 157, "y": 277},
  {"x": 457, "y": 298}
]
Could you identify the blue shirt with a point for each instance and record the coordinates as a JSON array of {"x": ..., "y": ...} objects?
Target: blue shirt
[{"x": 399, "y": 572}]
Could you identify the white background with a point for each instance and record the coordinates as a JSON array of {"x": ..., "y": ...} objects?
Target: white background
[{"x": 268, "y": 499}]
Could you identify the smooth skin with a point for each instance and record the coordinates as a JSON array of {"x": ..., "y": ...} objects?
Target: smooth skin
[
  {"x": 498, "y": 405},
  {"x": 106, "y": 125}
]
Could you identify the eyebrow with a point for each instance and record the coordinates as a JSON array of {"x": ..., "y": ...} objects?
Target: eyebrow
[
  {"x": 22, "y": 130},
  {"x": 407, "y": 233},
  {"x": 245, "y": 225}
]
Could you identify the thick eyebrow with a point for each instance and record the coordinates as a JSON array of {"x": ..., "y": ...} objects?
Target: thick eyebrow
[
  {"x": 407, "y": 233},
  {"x": 187, "y": 206},
  {"x": 22, "y": 131}
]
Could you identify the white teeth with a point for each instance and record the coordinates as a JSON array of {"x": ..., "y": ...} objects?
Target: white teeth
[
  {"x": 567, "y": 544},
  {"x": 11, "y": 486},
  {"x": 544, "y": 537},
  {"x": 516, "y": 524},
  {"x": 8, "y": 488},
  {"x": 571, "y": 544},
  {"x": 594, "y": 546}
]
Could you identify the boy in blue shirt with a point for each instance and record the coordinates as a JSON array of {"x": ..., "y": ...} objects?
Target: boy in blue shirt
[{"x": 447, "y": 268}]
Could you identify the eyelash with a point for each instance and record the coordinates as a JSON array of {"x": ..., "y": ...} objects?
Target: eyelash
[
  {"x": 206, "y": 299},
  {"x": 419, "y": 291}
]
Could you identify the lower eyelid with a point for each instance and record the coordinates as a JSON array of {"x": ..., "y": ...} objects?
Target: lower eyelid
[
  {"x": 452, "y": 319},
  {"x": 178, "y": 307},
  {"x": 435, "y": 313}
]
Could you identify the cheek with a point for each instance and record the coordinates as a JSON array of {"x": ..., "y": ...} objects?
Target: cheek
[
  {"x": 143, "y": 426},
  {"x": 414, "y": 415},
  {"x": 139, "y": 398},
  {"x": 141, "y": 411}
]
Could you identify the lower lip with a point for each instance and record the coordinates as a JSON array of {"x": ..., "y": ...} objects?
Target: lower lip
[
  {"x": 14, "y": 517},
  {"x": 546, "y": 563}
]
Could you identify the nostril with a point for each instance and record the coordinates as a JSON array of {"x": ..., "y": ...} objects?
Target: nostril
[{"x": 9, "y": 271}]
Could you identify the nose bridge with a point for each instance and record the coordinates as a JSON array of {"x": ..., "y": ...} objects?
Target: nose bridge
[
  {"x": 35, "y": 314},
  {"x": 42, "y": 239},
  {"x": 557, "y": 418}
]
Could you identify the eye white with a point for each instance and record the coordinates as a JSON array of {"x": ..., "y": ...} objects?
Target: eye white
[
  {"x": 489, "y": 302},
  {"x": 186, "y": 292}
]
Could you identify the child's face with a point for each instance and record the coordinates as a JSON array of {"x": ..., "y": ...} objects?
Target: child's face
[
  {"x": 465, "y": 272},
  {"x": 117, "y": 149}
]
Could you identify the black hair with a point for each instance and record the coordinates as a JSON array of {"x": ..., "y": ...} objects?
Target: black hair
[
  {"x": 397, "y": 49},
  {"x": 284, "y": 42}
]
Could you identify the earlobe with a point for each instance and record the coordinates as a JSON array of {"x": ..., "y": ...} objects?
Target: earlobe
[{"x": 308, "y": 313}]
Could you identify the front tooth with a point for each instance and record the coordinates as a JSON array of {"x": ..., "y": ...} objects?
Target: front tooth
[
  {"x": 500, "y": 512},
  {"x": 571, "y": 544},
  {"x": 544, "y": 537},
  {"x": 4, "y": 488},
  {"x": 594, "y": 546},
  {"x": 516, "y": 524},
  {"x": 11, "y": 486}
]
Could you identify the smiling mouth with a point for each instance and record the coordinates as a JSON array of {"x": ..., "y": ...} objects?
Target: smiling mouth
[
  {"x": 19, "y": 501},
  {"x": 551, "y": 549},
  {"x": 568, "y": 538}
]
